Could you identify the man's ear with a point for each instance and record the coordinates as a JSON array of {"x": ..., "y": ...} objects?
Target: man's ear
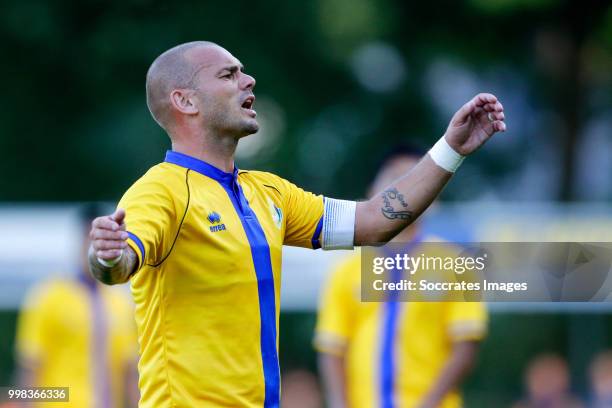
[{"x": 183, "y": 101}]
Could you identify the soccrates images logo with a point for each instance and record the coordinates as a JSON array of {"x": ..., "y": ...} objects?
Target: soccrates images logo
[{"x": 215, "y": 219}]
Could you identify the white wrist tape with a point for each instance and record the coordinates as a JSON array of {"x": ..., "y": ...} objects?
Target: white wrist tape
[
  {"x": 338, "y": 224},
  {"x": 111, "y": 262},
  {"x": 445, "y": 156}
]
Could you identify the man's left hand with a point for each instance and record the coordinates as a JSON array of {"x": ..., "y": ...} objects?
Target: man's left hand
[{"x": 475, "y": 123}]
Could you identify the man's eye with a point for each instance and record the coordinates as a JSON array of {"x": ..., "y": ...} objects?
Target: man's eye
[{"x": 228, "y": 76}]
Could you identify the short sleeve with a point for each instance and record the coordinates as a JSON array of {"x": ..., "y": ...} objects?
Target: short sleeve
[
  {"x": 337, "y": 309},
  {"x": 150, "y": 218},
  {"x": 467, "y": 321},
  {"x": 304, "y": 216},
  {"x": 32, "y": 336}
]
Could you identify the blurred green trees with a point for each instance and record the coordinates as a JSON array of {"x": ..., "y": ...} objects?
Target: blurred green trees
[{"x": 74, "y": 124}]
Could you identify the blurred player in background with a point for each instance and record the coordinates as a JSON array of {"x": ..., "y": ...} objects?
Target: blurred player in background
[
  {"x": 78, "y": 333},
  {"x": 201, "y": 242},
  {"x": 547, "y": 381},
  {"x": 300, "y": 390},
  {"x": 600, "y": 374},
  {"x": 394, "y": 354}
]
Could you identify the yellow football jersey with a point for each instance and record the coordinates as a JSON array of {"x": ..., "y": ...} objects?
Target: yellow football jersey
[
  {"x": 82, "y": 336},
  {"x": 394, "y": 351},
  {"x": 207, "y": 290}
]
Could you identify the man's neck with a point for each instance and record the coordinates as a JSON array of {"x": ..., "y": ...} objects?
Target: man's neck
[{"x": 217, "y": 151}]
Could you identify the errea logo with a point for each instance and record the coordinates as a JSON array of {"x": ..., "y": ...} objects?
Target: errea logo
[{"x": 215, "y": 219}]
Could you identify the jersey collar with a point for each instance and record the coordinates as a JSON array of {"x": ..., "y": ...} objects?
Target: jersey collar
[{"x": 201, "y": 167}]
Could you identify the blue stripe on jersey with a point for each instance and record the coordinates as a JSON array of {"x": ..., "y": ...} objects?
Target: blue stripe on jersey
[
  {"x": 389, "y": 332},
  {"x": 138, "y": 242},
  {"x": 387, "y": 358},
  {"x": 316, "y": 242},
  {"x": 260, "y": 252}
]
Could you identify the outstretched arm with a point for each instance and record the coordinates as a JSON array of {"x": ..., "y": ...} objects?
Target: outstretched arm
[
  {"x": 111, "y": 260},
  {"x": 332, "y": 369},
  {"x": 459, "y": 364},
  {"x": 382, "y": 217}
]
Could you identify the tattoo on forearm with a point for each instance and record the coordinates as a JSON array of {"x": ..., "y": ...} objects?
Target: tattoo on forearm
[{"x": 389, "y": 211}]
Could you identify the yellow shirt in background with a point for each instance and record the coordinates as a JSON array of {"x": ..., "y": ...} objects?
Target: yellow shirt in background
[
  {"x": 207, "y": 291},
  {"x": 80, "y": 336},
  {"x": 394, "y": 351}
]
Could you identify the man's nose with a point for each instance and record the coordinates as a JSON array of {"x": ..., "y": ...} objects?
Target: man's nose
[{"x": 248, "y": 82}]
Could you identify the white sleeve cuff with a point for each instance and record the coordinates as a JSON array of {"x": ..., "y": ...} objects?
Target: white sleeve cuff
[
  {"x": 111, "y": 262},
  {"x": 338, "y": 224},
  {"x": 445, "y": 156}
]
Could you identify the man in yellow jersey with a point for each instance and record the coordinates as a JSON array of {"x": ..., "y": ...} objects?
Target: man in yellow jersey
[
  {"x": 77, "y": 333},
  {"x": 393, "y": 354},
  {"x": 201, "y": 241}
]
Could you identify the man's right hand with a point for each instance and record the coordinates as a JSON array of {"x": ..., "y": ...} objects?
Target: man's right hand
[
  {"x": 111, "y": 260},
  {"x": 108, "y": 236}
]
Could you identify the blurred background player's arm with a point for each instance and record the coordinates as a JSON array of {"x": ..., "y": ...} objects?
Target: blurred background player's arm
[
  {"x": 466, "y": 327},
  {"x": 382, "y": 217},
  {"x": 132, "y": 394},
  {"x": 31, "y": 337},
  {"x": 460, "y": 363},
  {"x": 335, "y": 323},
  {"x": 331, "y": 368},
  {"x": 27, "y": 370},
  {"x": 129, "y": 346}
]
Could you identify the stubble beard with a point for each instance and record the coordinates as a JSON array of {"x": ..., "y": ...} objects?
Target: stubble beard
[
  {"x": 238, "y": 127},
  {"x": 225, "y": 121},
  {"x": 250, "y": 127}
]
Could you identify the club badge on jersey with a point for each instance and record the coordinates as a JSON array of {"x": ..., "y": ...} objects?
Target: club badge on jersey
[{"x": 277, "y": 214}]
